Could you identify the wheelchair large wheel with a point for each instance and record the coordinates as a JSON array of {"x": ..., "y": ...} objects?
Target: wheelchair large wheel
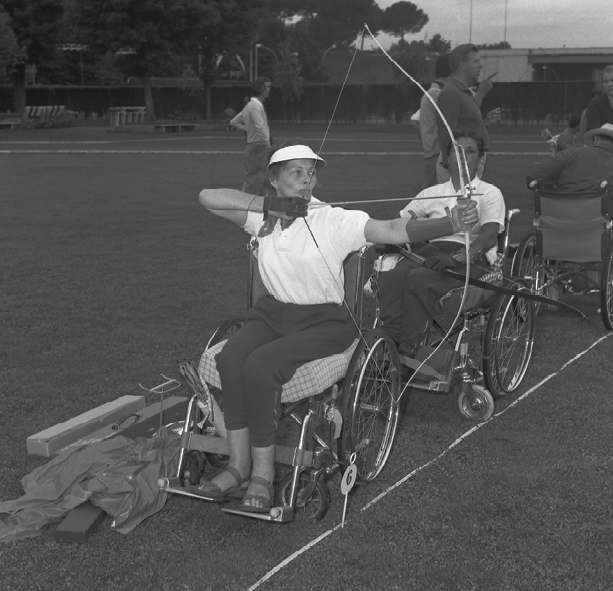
[
  {"x": 226, "y": 329},
  {"x": 606, "y": 289},
  {"x": 312, "y": 507},
  {"x": 509, "y": 339},
  {"x": 370, "y": 404},
  {"x": 527, "y": 266}
]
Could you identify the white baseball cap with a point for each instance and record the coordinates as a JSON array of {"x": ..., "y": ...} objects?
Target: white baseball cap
[{"x": 294, "y": 153}]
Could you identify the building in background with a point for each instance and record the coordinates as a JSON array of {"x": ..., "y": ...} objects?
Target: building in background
[{"x": 546, "y": 65}]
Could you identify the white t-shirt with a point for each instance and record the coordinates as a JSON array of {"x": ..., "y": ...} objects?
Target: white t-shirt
[
  {"x": 303, "y": 264},
  {"x": 490, "y": 206}
]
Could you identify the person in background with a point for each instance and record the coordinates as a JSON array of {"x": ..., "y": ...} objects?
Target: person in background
[
  {"x": 458, "y": 105},
  {"x": 569, "y": 138},
  {"x": 596, "y": 91},
  {"x": 252, "y": 120},
  {"x": 578, "y": 169},
  {"x": 600, "y": 109},
  {"x": 409, "y": 291},
  {"x": 427, "y": 120}
]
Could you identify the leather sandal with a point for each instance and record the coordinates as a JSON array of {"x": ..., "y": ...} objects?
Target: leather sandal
[
  {"x": 212, "y": 492},
  {"x": 266, "y": 502}
]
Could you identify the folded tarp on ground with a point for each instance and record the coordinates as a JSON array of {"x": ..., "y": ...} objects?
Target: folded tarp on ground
[{"x": 119, "y": 475}]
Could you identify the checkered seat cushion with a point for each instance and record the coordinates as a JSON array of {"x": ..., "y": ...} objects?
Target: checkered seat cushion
[{"x": 310, "y": 379}]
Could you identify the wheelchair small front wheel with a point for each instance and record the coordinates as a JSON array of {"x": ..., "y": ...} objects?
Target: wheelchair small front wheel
[
  {"x": 478, "y": 406},
  {"x": 312, "y": 507}
]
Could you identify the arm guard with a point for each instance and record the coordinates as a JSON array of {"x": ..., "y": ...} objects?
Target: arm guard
[{"x": 425, "y": 229}]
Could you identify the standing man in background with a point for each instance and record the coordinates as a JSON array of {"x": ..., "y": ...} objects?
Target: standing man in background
[
  {"x": 459, "y": 107},
  {"x": 427, "y": 120},
  {"x": 252, "y": 120}
]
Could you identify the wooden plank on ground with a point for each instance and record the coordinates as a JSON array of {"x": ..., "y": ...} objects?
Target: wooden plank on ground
[
  {"x": 51, "y": 440},
  {"x": 143, "y": 423}
]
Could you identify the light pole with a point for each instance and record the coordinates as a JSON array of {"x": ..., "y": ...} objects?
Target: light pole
[
  {"x": 257, "y": 46},
  {"x": 323, "y": 57},
  {"x": 470, "y": 30},
  {"x": 545, "y": 68}
]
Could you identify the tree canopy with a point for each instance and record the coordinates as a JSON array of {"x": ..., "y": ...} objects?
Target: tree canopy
[
  {"x": 30, "y": 32},
  {"x": 338, "y": 22},
  {"x": 437, "y": 44},
  {"x": 403, "y": 18}
]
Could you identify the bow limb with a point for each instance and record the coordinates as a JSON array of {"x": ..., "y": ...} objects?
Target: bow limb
[{"x": 465, "y": 187}]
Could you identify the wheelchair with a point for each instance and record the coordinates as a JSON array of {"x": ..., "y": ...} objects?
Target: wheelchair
[
  {"x": 482, "y": 352},
  {"x": 345, "y": 406},
  {"x": 571, "y": 249}
]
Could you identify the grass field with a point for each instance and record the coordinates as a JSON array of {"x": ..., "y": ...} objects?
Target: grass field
[{"x": 111, "y": 271}]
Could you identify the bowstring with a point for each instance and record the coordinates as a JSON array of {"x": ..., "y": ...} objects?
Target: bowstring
[{"x": 336, "y": 279}]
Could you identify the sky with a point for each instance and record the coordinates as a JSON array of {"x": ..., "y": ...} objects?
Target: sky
[{"x": 529, "y": 23}]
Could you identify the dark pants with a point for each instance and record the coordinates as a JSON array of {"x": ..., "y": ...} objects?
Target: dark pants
[
  {"x": 275, "y": 341},
  {"x": 408, "y": 292},
  {"x": 256, "y": 168}
]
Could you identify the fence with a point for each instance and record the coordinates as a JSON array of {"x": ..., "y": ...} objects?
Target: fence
[
  {"x": 120, "y": 116},
  {"x": 521, "y": 102}
]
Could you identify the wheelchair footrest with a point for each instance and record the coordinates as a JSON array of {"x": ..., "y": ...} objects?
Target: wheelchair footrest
[
  {"x": 276, "y": 514},
  {"x": 423, "y": 370},
  {"x": 441, "y": 386},
  {"x": 164, "y": 484},
  {"x": 290, "y": 456}
]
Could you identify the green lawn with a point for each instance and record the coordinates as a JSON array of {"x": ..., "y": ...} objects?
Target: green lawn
[{"x": 111, "y": 271}]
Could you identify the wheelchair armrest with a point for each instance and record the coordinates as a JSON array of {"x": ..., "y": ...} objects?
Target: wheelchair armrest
[{"x": 381, "y": 249}]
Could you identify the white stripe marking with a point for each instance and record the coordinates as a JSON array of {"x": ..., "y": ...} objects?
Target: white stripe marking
[
  {"x": 316, "y": 541},
  {"x": 235, "y": 152}
]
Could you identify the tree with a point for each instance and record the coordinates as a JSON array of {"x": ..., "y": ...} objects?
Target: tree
[
  {"x": 438, "y": 45},
  {"x": 338, "y": 22},
  {"x": 9, "y": 48},
  {"x": 142, "y": 33},
  {"x": 412, "y": 57},
  {"x": 31, "y": 30},
  {"x": 232, "y": 27},
  {"x": 287, "y": 76},
  {"x": 403, "y": 18}
]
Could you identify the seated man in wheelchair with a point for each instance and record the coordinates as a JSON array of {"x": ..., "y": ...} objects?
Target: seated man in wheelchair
[
  {"x": 577, "y": 170},
  {"x": 409, "y": 291},
  {"x": 302, "y": 245}
]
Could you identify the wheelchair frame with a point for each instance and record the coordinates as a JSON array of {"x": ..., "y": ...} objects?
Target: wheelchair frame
[
  {"x": 345, "y": 411},
  {"x": 506, "y": 325},
  {"x": 551, "y": 273}
]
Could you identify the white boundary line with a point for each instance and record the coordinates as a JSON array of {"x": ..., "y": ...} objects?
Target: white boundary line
[
  {"x": 237, "y": 152},
  {"x": 223, "y": 137},
  {"x": 459, "y": 440}
]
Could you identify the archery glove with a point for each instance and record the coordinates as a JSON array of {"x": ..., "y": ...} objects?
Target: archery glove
[
  {"x": 294, "y": 207},
  {"x": 441, "y": 261}
]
